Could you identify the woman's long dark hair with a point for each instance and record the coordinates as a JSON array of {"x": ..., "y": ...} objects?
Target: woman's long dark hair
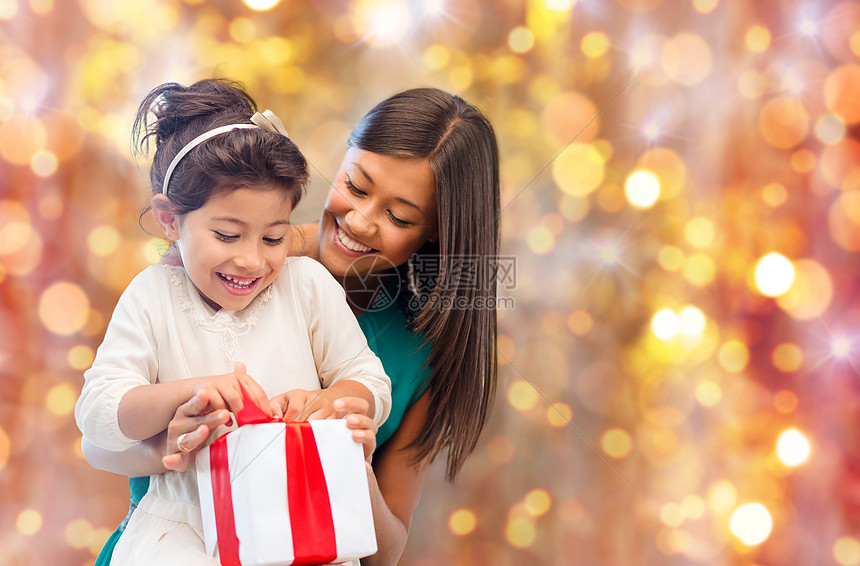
[{"x": 452, "y": 283}]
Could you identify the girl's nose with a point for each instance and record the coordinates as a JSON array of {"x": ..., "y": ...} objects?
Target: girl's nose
[{"x": 250, "y": 256}]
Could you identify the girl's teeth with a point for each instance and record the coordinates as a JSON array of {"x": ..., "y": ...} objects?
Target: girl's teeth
[
  {"x": 236, "y": 283},
  {"x": 349, "y": 242}
]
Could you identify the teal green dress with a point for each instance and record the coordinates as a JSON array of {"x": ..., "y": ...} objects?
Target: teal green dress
[{"x": 403, "y": 357}]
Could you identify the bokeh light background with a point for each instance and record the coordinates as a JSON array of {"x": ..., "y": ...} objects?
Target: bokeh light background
[{"x": 681, "y": 182}]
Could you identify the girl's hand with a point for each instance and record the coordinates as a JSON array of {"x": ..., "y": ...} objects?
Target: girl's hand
[
  {"x": 301, "y": 405},
  {"x": 195, "y": 422},
  {"x": 363, "y": 427},
  {"x": 223, "y": 392}
]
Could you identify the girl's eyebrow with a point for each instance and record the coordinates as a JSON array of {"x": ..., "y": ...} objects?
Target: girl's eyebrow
[
  {"x": 400, "y": 199},
  {"x": 278, "y": 222}
]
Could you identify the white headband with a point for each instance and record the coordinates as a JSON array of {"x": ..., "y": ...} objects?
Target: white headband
[{"x": 266, "y": 121}]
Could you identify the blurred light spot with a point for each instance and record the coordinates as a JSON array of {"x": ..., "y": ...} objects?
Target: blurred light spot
[
  {"x": 78, "y": 533},
  {"x": 80, "y": 357},
  {"x": 29, "y": 522},
  {"x": 522, "y": 396},
  {"x": 8, "y": 9},
  {"x": 803, "y": 160},
  {"x": 521, "y": 40},
  {"x": 21, "y": 135},
  {"x": 810, "y": 294},
  {"x": 691, "y": 321},
  {"x": 506, "y": 348},
  {"x": 608, "y": 253},
  {"x": 807, "y": 26},
  {"x": 752, "y": 84},
  {"x": 154, "y": 249},
  {"x": 103, "y": 240},
  {"x": 616, "y": 443},
  {"x": 758, "y": 39},
  {"x": 462, "y": 522},
  {"x": 541, "y": 240},
  {"x": 436, "y": 56},
  {"x": 565, "y": 117},
  {"x": 785, "y": 401},
  {"x": 60, "y": 399},
  {"x": 668, "y": 166},
  {"x": 460, "y": 77},
  {"x": 705, "y": 6},
  {"x": 578, "y": 170},
  {"x": 50, "y": 207},
  {"x": 580, "y": 322},
  {"x": 672, "y": 514},
  {"x": 99, "y": 537},
  {"x": 382, "y": 22},
  {"x": 774, "y": 194},
  {"x": 242, "y": 30},
  {"x": 784, "y": 122},
  {"x": 645, "y": 52},
  {"x": 734, "y": 356},
  {"x": 44, "y": 163},
  {"x": 686, "y": 59},
  {"x": 774, "y": 274},
  {"x": 665, "y": 324},
  {"x": 573, "y": 208},
  {"x": 700, "y": 231},
  {"x": 699, "y": 269},
  {"x": 787, "y": 357},
  {"x": 671, "y": 258},
  {"x": 594, "y": 44},
  {"x": 642, "y": 188},
  {"x": 671, "y": 541},
  {"x": 708, "y": 393},
  {"x": 538, "y": 502},
  {"x": 434, "y": 7},
  {"x": 651, "y": 130},
  {"x": 843, "y": 220},
  {"x": 559, "y": 5},
  {"x": 854, "y": 42},
  {"x": 559, "y": 415},
  {"x": 261, "y": 5},
  {"x": 5, "y": 447},
  {"x": 792, "y": 447},
  {"x": 841, "y": 92},
  {"x": 830, "y": 129},
  {"x": 751, "y": 523},
  {"x": 520, "y": 532},
  {"x": 14, "y": 236},
  {"x": 694, "y": 506},
  {"x": 63, "y": 308},
  {"x": 840, "y": 347},
  {"x": 846, "y": 551}
]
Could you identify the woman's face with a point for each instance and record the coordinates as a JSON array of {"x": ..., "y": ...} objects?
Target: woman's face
[{"x": 379, "y": 211}]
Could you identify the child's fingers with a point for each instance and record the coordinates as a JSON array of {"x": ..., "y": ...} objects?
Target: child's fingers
[{"x": 357, "y": 421}]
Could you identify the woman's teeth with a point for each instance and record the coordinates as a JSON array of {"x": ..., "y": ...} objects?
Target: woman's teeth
[
  {"x": 349, "y": 242},
  {"x": 239, "y": 284}
]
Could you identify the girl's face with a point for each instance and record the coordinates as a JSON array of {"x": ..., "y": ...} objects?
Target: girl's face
[
  {"x": 233, "y": 246},
  {"x": 379, "y": 207}
]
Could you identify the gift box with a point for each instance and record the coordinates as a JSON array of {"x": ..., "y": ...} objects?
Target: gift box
[{"x": 274, "y": 493}]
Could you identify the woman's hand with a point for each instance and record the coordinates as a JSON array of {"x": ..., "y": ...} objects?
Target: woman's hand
[
  {"x": 363, "y": 427},
  {"x": 196, "y": 422}
]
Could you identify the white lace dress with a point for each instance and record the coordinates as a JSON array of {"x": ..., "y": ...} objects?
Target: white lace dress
[{"x": 297, "y": 334}]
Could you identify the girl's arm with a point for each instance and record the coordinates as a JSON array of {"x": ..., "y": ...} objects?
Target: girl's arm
[{"x": 395, "y": 487}]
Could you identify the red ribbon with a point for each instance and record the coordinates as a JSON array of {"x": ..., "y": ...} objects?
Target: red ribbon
[{"x": 307, "y": 493}]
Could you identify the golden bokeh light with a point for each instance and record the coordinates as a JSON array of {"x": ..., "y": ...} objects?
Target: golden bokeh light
[
  {"x": 830, "y": 129},
  {"x": 671, "y": 258},
  {"x": 520, "y": 532},
  {"x": 78, "y": 533},
  {"x": 784, "y": 122},
  {"x": 846, "y": 551},
  {"x": 708, "y": 393},
  {"x": 774, "y": 274},
  {"x": 751, "y": 523},
  {"x": 4, "y": 448},
  {"x": 80, "y": 357},
  {"x": 691, "y": 321},
  {"x": 774, "y": 194},
  {"x": 522, "y": 395},
  {"x": 758, "y": 39},
  {"x": 785, "y": 401},
  {"x": 559, "y": 415},
  {"x": 642, "y": 188},
  {"x": 665, "y": 324},
  {"x": 64, "y": 308},
  {"x": 60, "y": 399},
  {"x": 841, "y": 92},
  {"x": 686, "y": 59},
  {"x": 29, "y": 522},
  {"x": 462, "y": 522},
  {"x": 792, "y": 447},
  {"x": 521, "y": 40},
  {"x": 811, "y": 293},
  {"x": 734, "y": 356},
  {"x": 594, "y": 44},
  {"x": 579, "y": 170},
  {"x": 261, "y": 5},
  {"x": 699, "y": 270},
  {"x": 616, "y": 443},
  {"x": 700, "y": 231},
  {"x": 787, "y": 357},
  {"x": 722, "y": 496},
  {"x": 538, "y": 502}
]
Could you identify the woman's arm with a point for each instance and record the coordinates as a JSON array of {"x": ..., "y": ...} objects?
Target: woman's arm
[
  {"x": 141, "y": 460},
  {"x": 395, "y": 487}
]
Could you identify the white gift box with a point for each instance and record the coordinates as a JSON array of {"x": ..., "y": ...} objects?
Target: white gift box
[{"x": 291, "y": 498}]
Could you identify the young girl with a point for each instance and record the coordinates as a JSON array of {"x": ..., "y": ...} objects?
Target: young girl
[{"x": 226, "y": 180}]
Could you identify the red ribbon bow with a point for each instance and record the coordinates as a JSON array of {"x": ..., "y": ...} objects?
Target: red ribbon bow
[{"x": 307, "y": 493}]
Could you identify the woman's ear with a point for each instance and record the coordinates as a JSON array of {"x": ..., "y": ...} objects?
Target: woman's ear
[{"x": 162, "y": 209}]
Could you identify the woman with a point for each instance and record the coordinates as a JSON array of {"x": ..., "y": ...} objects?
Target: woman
[{"x": 412, "y": 214}]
